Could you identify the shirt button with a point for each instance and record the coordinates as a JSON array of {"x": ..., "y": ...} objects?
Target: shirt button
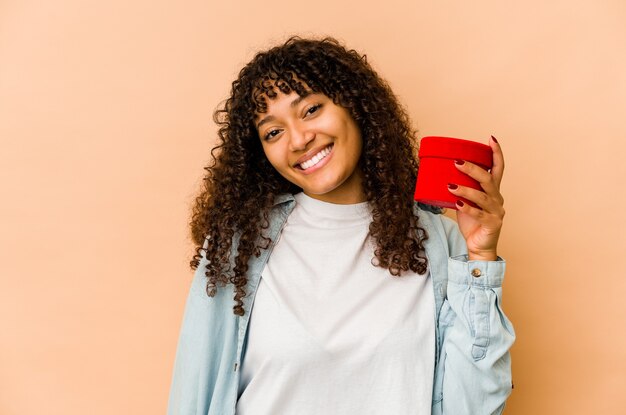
[{"x": 476, "y": 272}]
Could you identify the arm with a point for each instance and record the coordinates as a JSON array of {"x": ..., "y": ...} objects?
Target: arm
[
  {"x": 476, "y": 346},
  {"x": 189, "y": 377},
  {"x": 478, "y": 364},
  {"x": 202, "y": 381}
]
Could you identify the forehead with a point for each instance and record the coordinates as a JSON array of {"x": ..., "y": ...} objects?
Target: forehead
[
  {"x": 270, "y": 88},
  {"x": 292, "y": 97}
]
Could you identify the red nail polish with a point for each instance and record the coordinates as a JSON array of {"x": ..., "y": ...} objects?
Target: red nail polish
[
  {"x": 459, "y": 162},
  {"x": 452, "y": 186},
  {"x": 460, "y": 203},
  {"x": 494, "y": 139}
]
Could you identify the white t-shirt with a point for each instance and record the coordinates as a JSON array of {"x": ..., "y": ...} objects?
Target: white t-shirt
[{"x": 329, "y": 332}]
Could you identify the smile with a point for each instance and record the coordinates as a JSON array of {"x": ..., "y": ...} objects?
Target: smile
[{"x": 317, "y": 161}]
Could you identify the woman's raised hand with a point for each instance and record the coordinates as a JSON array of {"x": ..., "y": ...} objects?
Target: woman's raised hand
[{"x": 481, "y": 227}]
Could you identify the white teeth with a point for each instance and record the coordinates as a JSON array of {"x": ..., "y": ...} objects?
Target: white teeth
[{"x": 315, "y": 159}]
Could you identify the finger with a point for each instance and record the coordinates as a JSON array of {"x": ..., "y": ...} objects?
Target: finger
[
  {"x": 479, "y": 174},
  {"x": 487, "y": 219},
  {"x": 490, "y": 203},
  {"x": 497, "y": 170}
]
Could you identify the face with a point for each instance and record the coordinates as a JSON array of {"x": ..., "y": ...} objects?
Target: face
[{"x": 315, "y": 144}]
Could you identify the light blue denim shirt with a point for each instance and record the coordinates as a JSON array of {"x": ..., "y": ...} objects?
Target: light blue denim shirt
[{"x": 472, "y": 360}]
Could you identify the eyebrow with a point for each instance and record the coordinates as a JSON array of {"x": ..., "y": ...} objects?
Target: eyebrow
[{"x": 293, "y": 104}]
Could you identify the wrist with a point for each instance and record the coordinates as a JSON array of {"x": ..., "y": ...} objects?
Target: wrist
[{"x": 482, "y": 256}]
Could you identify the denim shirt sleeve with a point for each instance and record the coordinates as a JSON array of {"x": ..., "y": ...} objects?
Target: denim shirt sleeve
[
  {"x": 193, "y": 351},
  {"x": 202, "y": 366},
  {"x": 477, "y": 366}
]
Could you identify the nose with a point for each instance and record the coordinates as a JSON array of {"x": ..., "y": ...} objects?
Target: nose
[{"x": 300, "y": 139}]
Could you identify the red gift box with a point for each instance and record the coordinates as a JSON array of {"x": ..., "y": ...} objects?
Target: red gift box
[{"x": 437, "y": 169}]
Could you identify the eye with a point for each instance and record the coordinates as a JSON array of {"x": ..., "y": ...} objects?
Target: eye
[
  {"x": 313, "y": 109},
  {"x": 270, "y": 134}
]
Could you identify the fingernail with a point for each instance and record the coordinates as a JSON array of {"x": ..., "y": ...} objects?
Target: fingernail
[
  {"x": 459, "y": 162},
  {"x": 460, "y": 203},
  {"x": 494, "y": 139},
  {"x": 452, "y": 186}
]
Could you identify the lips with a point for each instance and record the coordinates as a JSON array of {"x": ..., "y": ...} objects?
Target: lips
[{"x": 310, "y": 154}]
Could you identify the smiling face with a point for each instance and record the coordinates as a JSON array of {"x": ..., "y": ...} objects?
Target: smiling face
[{"x": 315, "y": 144}]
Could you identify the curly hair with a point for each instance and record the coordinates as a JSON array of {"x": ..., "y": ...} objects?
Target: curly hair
[{"x": 240, "y": 184}]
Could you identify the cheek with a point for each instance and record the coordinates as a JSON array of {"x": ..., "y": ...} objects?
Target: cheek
[
  {"x": 275, "y": 157},
  {"x": 356, "y": 141}
]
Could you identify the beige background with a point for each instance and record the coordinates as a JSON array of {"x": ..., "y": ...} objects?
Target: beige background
[{"x": 105, "y": 122}]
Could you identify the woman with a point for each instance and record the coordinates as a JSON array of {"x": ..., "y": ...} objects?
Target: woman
[{"x": 369, "y": 303}]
